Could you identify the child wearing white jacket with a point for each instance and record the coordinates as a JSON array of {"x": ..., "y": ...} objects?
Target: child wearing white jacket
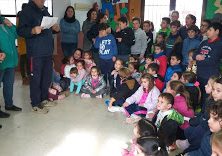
[{"x": 144, "y": 101}]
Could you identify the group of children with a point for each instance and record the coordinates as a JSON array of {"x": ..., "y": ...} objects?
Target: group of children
[{"x": 159, "y": 92}]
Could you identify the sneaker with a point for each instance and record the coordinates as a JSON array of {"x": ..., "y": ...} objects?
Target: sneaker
[
  {"x": 13, "y": 108},
  {"x": 4, "y": 114},
  {"x": 115, "y": 109},
  {"x": 40, "y": 110},
  {"x": 99, "y": 96},
  {"x": 47, "y": 103},
  {"x": 182, "y": 144},
  {"x": 83, "y": 95}
]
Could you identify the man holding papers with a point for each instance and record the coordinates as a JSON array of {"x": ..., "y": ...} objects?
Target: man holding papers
[{"x": 40, "y": 46}]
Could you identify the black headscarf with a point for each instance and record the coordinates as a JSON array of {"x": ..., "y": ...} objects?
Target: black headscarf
[{"x": 73, "y": 18}]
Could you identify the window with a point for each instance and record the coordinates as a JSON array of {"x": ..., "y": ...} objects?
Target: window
[
  {"x": 9, "y": 8},
  {"x": 190, "y": 7},
  {"x": 155, "y": 10}
]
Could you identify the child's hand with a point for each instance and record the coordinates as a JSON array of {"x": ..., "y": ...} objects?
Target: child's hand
[
  {"x": 119, "y": 39},
  {"x": 113, "y": 72},
  {"x": 146, "y": 66},
  {"x": 200, "y": 57},
  {"x": 114, "y": 58},
  {"x": 93, "y": 91},
  {"x": 94, "y": 40},
  {"x": 150, "y": 115},
  {"x": 125, "y": 104}
]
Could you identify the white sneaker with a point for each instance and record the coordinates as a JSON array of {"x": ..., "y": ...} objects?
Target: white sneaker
[
  {"x": 115, "y": 109},
  {"x": 84, "y": 95},
  {"x": 182, "y": 144},
  {"x": 99, "y": 96}
]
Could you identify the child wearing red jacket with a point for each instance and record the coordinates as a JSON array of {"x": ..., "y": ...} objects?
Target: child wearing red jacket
[
  {"x": 153, "y": 69},
  {"x": 160, "y": 58}
]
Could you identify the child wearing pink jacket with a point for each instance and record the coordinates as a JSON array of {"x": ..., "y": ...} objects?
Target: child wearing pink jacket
[{"x": 181, "y": 100}]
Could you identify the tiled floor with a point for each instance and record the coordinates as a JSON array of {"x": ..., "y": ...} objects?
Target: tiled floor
[{"x": 75, "y": 127}]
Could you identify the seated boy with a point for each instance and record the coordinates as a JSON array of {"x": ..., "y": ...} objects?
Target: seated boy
[
  {"x": 153, "y": 69},
  {"x": 175, "y": 66}
]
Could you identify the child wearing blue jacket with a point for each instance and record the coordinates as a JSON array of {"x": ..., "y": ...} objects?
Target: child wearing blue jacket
[{"x": 106, "y": 44}]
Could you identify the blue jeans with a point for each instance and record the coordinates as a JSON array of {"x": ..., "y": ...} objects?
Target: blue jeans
[{"x": 7, "y": 76}]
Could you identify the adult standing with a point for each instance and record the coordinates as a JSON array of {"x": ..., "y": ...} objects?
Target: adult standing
[
  {"x": 87, "y": 24},
  {"x": 40, "y": 46},
  {"x": 190, "y": 20},
  {"x": 70, "y": 29},
  {"x": 8, "y": 63}
]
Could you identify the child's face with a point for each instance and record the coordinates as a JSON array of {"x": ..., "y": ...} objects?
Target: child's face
[
  {"x": 86, "y": 56},
  {"x": 174, "y": 61},
  {"x": 132, "y": 59},
  {"x": 169, "y": 90},
  {"x": 203, "y": 27},
  {"x": 183, "y": 80},
  {"x": 77, "y": 54},
  {"x": 79, "y": 66},
  {"x": 151, "y": 72},
  {"x": 71, "y": 60},
  {"x": 164, "y": 24},
  {"x": 158, "y": 50},
  {"x": 209, "y": 87},
  {"x": 94, "y": 73},
  {"x": 159, "y": 38},
  {"x": 52, "y": 91},
  {"x": 188, "y": 20},
  {"x": 131, "y": 68},
  {"x": 214, "y": 123},
  {"x": 217, "y": 91},
  {"x": 212, "y": 33},
  {"x": 136, "y": 24},
  {"x": 191, "y": 33},
  {"x": 216, "y": 151},
  {"x": 146, "y": 27},
  {"x": 174, "y": 16},
  {"x": 174, "y": 77},
  {"x": 122, "y": 25},
  {"x": 173, "y": 29},
  {"x": 73, "y": 75},
  {"x": 145, "y": 83},
  {"x": 118, "y": 65},
  {"x": 163, "y": 104},
  {"x": 148, "y": 61},
  {"x": 102, "y": 33}
]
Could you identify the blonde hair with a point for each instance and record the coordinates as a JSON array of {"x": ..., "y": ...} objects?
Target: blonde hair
[
  {"x": 124, "y": 72},
  {"x": 180, "y": 88}
]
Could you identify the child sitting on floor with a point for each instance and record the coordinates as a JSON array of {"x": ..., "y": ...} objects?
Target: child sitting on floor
[
  {"x": 94, "y": 85},
  {"x": 143, "y": 128},
  {"x": 77, "y": 76},
  {"x": 89, "y": 62},
  {"x": 143, "y": 102},
  {"x": 167, "y": 120}
]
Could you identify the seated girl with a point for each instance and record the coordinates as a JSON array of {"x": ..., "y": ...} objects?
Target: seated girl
[
  {"x": 144, "y": 101},
  {"x": 127, "y": 88},
  {"x": 94, "y": 85},
  {"x": 89, "y": 62}
]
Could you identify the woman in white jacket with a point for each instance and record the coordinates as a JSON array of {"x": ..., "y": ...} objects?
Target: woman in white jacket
[{"x": 143, "y": 102}]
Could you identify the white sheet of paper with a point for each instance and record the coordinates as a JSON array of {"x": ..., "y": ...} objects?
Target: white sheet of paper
[{"x": 48, "y": 22}]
